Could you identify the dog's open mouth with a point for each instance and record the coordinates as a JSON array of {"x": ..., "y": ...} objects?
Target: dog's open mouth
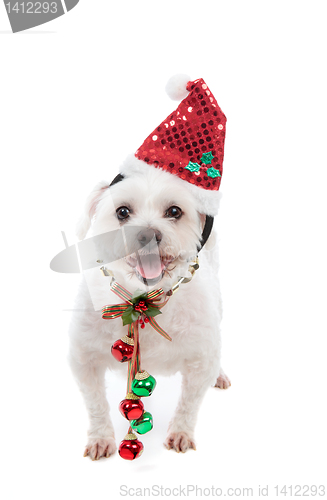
[{"x": 149, "y": 268}]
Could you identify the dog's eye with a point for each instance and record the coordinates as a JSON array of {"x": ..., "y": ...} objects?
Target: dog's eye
[
  {"x": 173, "y": 212},
  {"x": 123, "y": 213}
]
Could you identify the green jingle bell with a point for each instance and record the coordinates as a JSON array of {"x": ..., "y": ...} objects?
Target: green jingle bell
[
  {"x": 143, "y": 424},
  {"x": 143, "y": 384}
]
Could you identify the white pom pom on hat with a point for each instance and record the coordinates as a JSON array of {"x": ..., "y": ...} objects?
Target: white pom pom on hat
[{"x": 176, "y": 87}]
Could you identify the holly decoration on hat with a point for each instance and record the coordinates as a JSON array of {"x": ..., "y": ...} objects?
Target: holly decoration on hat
[
  {"x": 193, "y": 167},
  {"x": 212, "y": 172},
  {"x": 207, "y": 158}
]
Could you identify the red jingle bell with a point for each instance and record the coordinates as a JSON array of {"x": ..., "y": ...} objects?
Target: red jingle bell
[
  {"x": 130, "y": 448},
  {"x": 131, "y": 407},
  {"x": 122, "y": 349}
]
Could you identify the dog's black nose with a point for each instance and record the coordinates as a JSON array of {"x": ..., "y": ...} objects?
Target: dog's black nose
[{"x": 145, "y": 236}]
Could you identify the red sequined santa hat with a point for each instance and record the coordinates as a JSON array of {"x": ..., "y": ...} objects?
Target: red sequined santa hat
[{"x": 189, "y": 143}]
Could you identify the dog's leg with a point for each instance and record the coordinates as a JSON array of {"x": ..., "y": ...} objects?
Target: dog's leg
[
  {"x": 223, "y": 381},
  {"x": 181, "y": 428},
  {"x": 90, "y": 377}
]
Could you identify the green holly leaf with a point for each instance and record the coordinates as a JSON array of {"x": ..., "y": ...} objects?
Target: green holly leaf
[
  {"x": 192, "y": 167},
  {"x": 127, "y": 319},
  {"x": 129, "y": 316},
  {"x": 152, "y": 311},
  {"x": 207, "y": 158},
  {"x": 212, "y": 172},
  {"x": 135, "y": 315}
]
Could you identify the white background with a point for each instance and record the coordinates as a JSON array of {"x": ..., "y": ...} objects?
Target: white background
[{"x": 76, "y": 96}]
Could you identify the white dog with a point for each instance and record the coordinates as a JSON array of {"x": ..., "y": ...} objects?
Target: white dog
[{"x": 168, "y": 225}]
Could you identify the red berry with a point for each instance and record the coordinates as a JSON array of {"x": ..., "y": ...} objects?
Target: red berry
[
  {"x": 137, "y": 307},
  {"x": 146, "y": 319},
  {"x": 142, "y": 325},
  {"x": 141, "y": 303}
]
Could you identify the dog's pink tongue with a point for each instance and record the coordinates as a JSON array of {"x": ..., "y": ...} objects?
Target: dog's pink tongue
[{"x": 149, "y": 266}]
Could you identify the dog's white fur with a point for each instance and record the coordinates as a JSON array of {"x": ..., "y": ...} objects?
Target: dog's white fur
[{"x": 191, "y": 317}]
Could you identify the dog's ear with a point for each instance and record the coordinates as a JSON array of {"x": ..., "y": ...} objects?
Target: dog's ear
[{"x": 92, "y": 200}]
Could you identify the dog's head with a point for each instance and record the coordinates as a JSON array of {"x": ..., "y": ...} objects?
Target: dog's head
[{"x": 154, "y": 223}]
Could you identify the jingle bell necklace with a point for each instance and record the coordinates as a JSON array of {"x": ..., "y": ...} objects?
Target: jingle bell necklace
[{"x": 137, "y": 310}]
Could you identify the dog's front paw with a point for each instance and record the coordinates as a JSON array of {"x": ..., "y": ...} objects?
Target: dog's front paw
[
  {"x": 223, "y": 381},
  {"x": 98, "y": 447},
  {"x": 179, "y": 441}
]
